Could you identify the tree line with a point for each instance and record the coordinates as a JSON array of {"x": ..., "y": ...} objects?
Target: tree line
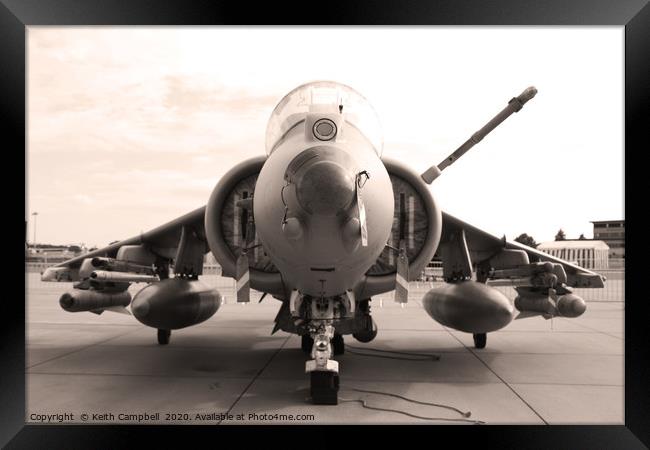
[{"x": 525, "y": 239}]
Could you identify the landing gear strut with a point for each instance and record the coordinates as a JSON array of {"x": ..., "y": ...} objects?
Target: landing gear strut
[
  {"x": 163, "y": 336},
  {"x": 480, "y": 339},
  {"x": 324, "y": 372},
  {"x": 338, "y": 344}
]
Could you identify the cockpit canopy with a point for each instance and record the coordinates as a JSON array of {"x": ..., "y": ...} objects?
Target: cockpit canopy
[{"x": 328, "y": 97}]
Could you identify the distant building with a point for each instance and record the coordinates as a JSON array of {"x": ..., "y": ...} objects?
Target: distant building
[
  {"x": 52, "y": 254},
  {"x": 587, "y": 253},
  {"x": 210, "y": 265},
  {"x": 209, "y": 260},
  {"x": 613, "y": 233}
]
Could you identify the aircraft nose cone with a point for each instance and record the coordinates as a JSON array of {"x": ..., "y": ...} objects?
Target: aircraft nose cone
[{"x": 325, "y": 188}]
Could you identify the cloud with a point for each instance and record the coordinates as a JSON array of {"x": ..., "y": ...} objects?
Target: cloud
[
  {"x": 190, "y": 95},
  {"x": 129, "y": 126},
  {"x": 83, "y": 199}
]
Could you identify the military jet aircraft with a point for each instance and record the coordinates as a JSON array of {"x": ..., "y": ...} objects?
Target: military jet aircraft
[{"x": 323, "y": 223}]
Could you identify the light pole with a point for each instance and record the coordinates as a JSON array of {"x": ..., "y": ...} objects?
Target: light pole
[{"x": 34, "y": 214}]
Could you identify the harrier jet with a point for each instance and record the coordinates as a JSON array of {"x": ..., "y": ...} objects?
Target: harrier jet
[{"x": 323, "y": 223}]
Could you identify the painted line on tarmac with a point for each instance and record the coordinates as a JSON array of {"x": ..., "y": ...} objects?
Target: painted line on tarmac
[
  {"x": 257, "y": 375},
  {"x": 595, "y": 329},
  {"x": 502, "y": 380},
  {"x": 79, "y": 349}
]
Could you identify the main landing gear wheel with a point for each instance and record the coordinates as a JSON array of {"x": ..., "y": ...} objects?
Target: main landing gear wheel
[
  {"x": 307, "y": 343},
  {"x": 163, "y": 336},
  {"x": 324, "y": 387},
  {"x": 480, "y": 339},
  {"x": 338, "y": 345}
]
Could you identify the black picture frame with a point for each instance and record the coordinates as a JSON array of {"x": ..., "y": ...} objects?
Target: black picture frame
[{"x": 16, "y": 15}]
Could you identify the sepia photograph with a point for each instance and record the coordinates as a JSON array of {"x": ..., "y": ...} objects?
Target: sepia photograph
[{"x": 325, "y": 225}]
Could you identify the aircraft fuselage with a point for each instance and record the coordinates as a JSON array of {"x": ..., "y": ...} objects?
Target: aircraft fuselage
[{"x": 307, "y": 210}]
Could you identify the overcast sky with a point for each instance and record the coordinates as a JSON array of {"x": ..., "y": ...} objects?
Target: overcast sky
[{"x": 131, "y": 127}]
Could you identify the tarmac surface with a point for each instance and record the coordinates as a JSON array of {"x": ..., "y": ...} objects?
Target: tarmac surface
[{"x": 231, "y": 370}]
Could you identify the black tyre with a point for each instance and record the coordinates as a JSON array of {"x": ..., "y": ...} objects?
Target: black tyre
[
  {"x": 163, "y": 336},
  {"x": 324, "y": 388},
  {"x": 338, "y": 344},
  {"x": 368, "y": 333},
  {"x": 307, "y": 343},
  {"x": 480, "y": 340}
]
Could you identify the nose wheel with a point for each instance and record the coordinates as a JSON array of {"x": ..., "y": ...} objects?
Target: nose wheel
[{"x": 324, "y": 388}]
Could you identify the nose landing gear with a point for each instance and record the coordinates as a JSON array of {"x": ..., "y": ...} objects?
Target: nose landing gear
[
  {"x": 324, "y": 388},
  {"x": 338, "y": 344},
  {"x": 323, "y": 370}
]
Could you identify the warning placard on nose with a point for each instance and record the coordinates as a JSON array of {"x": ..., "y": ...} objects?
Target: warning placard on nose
[{"x": 362, "y": 214}]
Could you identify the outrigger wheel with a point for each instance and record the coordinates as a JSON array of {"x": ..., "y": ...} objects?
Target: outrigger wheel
[
  {"x": 324, "y": 387},
  {"x": 480, "y": 339},
  {"x": 163, "y": 336},
  {"x": 307, "y": 343}
]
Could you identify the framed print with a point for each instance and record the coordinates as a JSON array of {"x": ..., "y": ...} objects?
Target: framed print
[{"x": 408, "y": 216}]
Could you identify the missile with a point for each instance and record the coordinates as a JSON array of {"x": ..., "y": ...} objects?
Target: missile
[
  {"x": 122, "y": 277},
  {"x": 570, "y": 305},
  {"x": 175, "y": 303},
  {"x": 539, "y": 280},
  {"x": 77, "y": 300},
  {"x": 468, "y": 306},
  {"x": 548, "y": 304},
  {"x": 535, "y": 303},
  {"x": 117, "y": 265}
]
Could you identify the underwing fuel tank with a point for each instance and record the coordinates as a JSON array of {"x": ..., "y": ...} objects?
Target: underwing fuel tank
[
  {"x": 469, "y": 306},
  {"x": 175, "y": 303},
  {"x": 78, "y": 300}
]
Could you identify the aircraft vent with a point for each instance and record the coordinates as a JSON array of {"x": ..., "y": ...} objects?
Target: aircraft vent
[
  {"x": 410, "y": 222},
  {"x": 233, "y": 225}
]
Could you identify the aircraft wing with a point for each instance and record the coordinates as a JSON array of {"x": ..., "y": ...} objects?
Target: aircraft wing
[
  {"x": 162, "y": 241},
  {"x": 483, "y": 246}
]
